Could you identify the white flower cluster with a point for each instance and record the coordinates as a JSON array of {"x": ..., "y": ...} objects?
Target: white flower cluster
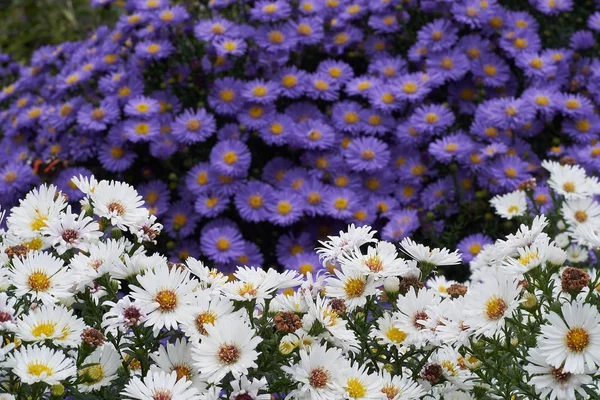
[{"x": 87, "y": 312}]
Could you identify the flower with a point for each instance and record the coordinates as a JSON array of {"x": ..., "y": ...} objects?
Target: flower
[
  {"x": 571, "y": 342},
  {"x": 423, "y": 254},
  {"x": 34, "y": 364},
  {"x": 351, "y": 285},
  {"x": 102, "y": 370},
  {"x": 177, "y": 357},
  {"x": 50, "y": 322},
  {"x": 160, "y": 384},
  {"x": 118, "y": 202},
  {"x": 510, "y": 205},
  {"x": 72, "y": 231},
  {"x": 229, "y": 347}
]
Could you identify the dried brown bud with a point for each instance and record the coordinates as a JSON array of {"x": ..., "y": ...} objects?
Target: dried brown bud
[
  {"x": 432, "y": 373},
  {"x": 338, "y": 305},
  {"x": 529, "y": 184},
  {"x": 409, "y": 282},
  {"x": 574, "y": 279},
  {"x": 287, "y": 322},
  {"x": 456, "y": 290},
  {"x": 523, "y": 283},
  {"x": 93, "y": 337},
  {"x": 567, "y": 161},
  {"x": 19, "y": 251},
  {"x": 172, "y": 265}
]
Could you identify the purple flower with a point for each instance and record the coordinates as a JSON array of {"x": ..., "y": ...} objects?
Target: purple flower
[
  {"x": 314, "y": 134},
  {"x": 367, "y": 154},
  {"x": 574, "y": 105},
  {"x": 322, "y": 86},
  {"x": 98, "y": 118},
  {"x": 289, "y": 246},
  {"x": 452, "y": 65},
  {"x": 211, "y": 205},
  {"x": 338, "y": 70},
  {"x": 193, "y": 126},
  {"x": 401, "y": 224},
  {"x": 278, "y": 131},
  {"x": 269, "y": 11},
  {"x": 221, "y": 241},
  {"x": 255, "y": 116},
  {"x": 180, "y": 220},
  {"x": 16, "y": 177},
  {"x": 139, "y": 130},
  {"x": 292, "y": 81},
  {"x": 471, "y": 245},
  {"x": 212, "y": 29},
  {"x": 491, "y": 69},
  {"x": 286, "y": 208},
  {"x": 231, "y": 158},
  {"x": 225, "y": 97},
  {"x": 230, "y": 46},
  {"x": 450, "y": 148},
  {"x": 251, "y": 201},
  {"x": 307, "y": 31},
  {"x": 346, "y": 116},
  {"x": 432, "y": 119},
  {"x": 276, "y": 38},
  {"x": 199, "y": 178},
  {"x": 314, "y": 193},
  {"x": 508, "y": 172},
  {"x": 154, "y": 50},
  {"x": 156, "y": 196},
  {"x": 438, "y": 35},
  {"x": 142, "y": 107},
  {"x": 260, "y": 91},
  {"x": 304, "y": 263},
  {"x": 116, "y": 157}
]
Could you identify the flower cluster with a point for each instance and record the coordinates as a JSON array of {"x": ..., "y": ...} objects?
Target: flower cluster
[
  {"x": 241, "y": 120},
  {"x": 88, "y": 311}
]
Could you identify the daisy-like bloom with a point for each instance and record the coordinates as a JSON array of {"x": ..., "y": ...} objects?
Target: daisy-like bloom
[
  {"x": 351, "y": 285},
  {"x": 367, "y": 154},
  {"x": 118, "y": 202},
  {"x": 320, "y": 310},
  {"x": 471, "y": 245},
  {"x": 122, "y": 315},
  {"x": 587, "y": 235},
  {"x": 389, "y": 331},
  {"x": 513, "y": 204},
  {"x": 231, "y": 157},
  {"x": 400, "y": 387},
  {"x": 49, "y": 322},
  {"x": 193, "y": 126},
  {"x": 176, "y": 357},
  {"x": 103, "y": 365},
  {"x": 230, "y": 346},
  {"x": 487, "y": 305},
  {"x": 246, "y": 389},
  {"x": 34, "y": 364},
  {"x": 345, "y": 243},
  {"x": 380, "y": 261},
  {"x": 528, "y": 258},
  {"x": 208, "y": 310},
  {"x": 318, "y": 374},
  {"x": 141, "y": 106},
  {"x": 164, "y": 295},
  {"x": 7, "y": 312},
  {"x": 553, "y": 382},
  {"x": 424, "y": 254},
  {"x": 211, "y": 279},
  {"x": 40, "y": 206},
  {"x": 583, "y": 211},
  {"x": 42, "y": 276},
  {"x": 412, "y": 314},
  {"x": 101, "y": 257},
  {"x": 357, "y": 383},
  {"x": 572, "y": 341},
  {"x": 570, "y": 181},
  {"x": 153, "y": 50},
  {"x": 256, "y": 284},
  {"x": 72, "y": 231},
  {"x": 230, "y": 46},
  {"x": 159, "y": 386}
]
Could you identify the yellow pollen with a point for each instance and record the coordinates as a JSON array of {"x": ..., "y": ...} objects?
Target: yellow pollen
[
  {"x": 276, "y": 37},
  {"x": 270, "y": 8},
  {"x": 211, "y": 202},
  {"x": 577, "y": 339},
  {"x": 490, "y": 70},
  {"x": 437, "y": 35},
  {"x": 217, "y": 29},
  {"x": 306, "y": 268},
  {"x": 354, "y": 287},
  {"x": 581, "y": 216},
  {"x": 351, "y": 118},
  {"x": 335, "y": 72},
  {"x": 340, "y": 203},
  {"x": 256, "y": 112},
  {"x": 431, "y": 118},
  {"x": 496, "y": 22},
  {"x": 471, "y": 12},
  {"x": 583, "y": 125},
  {"x": 388, "y": 98},
  {"x": 313, "y": 198},
  {"x": 340, "y": 38},
  {"x": 230, "y": 158},
  {"x": 521, "y": 43},
  {"x": 44, "y": 329},
  {"x": 289, "y": 81},
  {"x": 227, "y": 95},
  {"x": 166, "y": 299},
  {"x": 205, "y": 317},
  {"x": 409, "y": 87},
  {"x": 193, "y": 125},
  {"x": 510, "y": 172},
  {"x": 495, "y": 307},
  {"x": 153, "y": 48},
  {"x": 38, "y": 222},
  {"x": 569, "y": 187},
  {"x": 202, "y": 178},
  {"x": 142, "y": 107},
  {"x": 474, "y": 249},
  {"x": 304, "y": 29},
  {"x": 374, "y": 120},
  {"x": 10, "y": 177},
  {"x": 542, "y": 101},
  {"x": 513, "y": 209},
  {"x": 536, "y": 63},
  {"x": 179, "y": 220},
  {"x": 229, "y": 45},
  {"x": 367, "y": 155},
  {"x": 451, "y": 147},
  {"x": 223, "y": 244},
  {"x": 124, "y": 91},
  {"x": 447, "y": 63},
  {"x": 72, "y": 79},
  {"x": 418, "y": 170},
  {"x": 353, "y": 9},
  {"x": 474, "y": 53},
  {"x": 167, "y": 16},
  {"x": 142, "y": 128},
  {"x": 510, "y": 111},
  {"x": 276, "y": 128},
  {"x": 321, "y": 85},
  {"x": 314, "y": 135},
  {"x": 98, "y": 114},
  {"x": 284, "y": 207},
  {"x": 34, "y": 113},
  {"x": 356, "y": 388},
  {"x": 572, "y": 104},
  {"x": 255, "y": 201},
  {"x": 363, "y": 85},
  {"x": 37, "y": 368}
]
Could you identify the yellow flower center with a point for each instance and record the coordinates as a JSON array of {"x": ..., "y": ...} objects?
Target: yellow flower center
[
  {"x": 447, "y": 63},
  {"x": 94, "y": 374},
  {"x": 321, "y": 85},
  {"x": 356, "y": 388},
  {"x": 276, "y": 128},
  {"x": 179, "y": 220},
  {"x": 255, "y": 201},
  {"x": 367, "y": 155},
  {"x": 304, "y": 29},
  {"x": 388, "y": 98},
  {"x": 577, "y": 339},
  {"x": 44, "y": 329},
  {"x": 351, "y": 118},
  {"x": 569, "y": 187},
  {"x": 306, "y": 268},
  {"x": 363, "y": 85},
  {"x": 289, "y": 81},
  {"x": 270, "y": 8},
  {"x": 194, "y": 125},
  {"x": 37, "y": 368},
  {"x": 581, "y": 216},
  {"x": 536, "y": 63},
  {"x": 313, "y": 198},
  {"x": 153, "y": 48},
  {"x": 229, "y": 45},
  {"x": 166, "y": 299},
  {"x": 572, "y": 104},
  {"x": 490, "y": 70},
  {"x": 142, "y": 128},
  {"x": 284, "y": 207},
  {"x": 474, "y": 249},
  {"x": 431, "y": 118},
  {"x": 520, "y": 43},
  {"x": 255, "y": 112},
  {"x": 205, "y": 317},
  {"x": 510, "y": 172},
  {"x": 451, "y": 147},
  {"x": 223, "y": 244},
  {"x": 495, "y": 307},
  {"x": 354, "y": 287},
  {"x": 227, "y": 95},
  {"x": 340, "y": 203},
  {"x": 230, "y": 157},
  {"x": 202, "y": 178},
  {"x": 276, "y": 37}
]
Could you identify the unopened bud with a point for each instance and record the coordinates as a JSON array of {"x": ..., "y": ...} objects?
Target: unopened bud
[{"x": 391, "y": 284}]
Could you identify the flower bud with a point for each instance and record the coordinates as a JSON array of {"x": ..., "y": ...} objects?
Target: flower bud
[
  {"x": 391, "y": 284},
  {"x": 57, "y": 390},
  {"x": 529, "y": 300}
]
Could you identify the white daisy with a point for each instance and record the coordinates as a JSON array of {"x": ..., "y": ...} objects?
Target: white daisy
[
  {"x": 510, "y": 205},
  {"x": 453, "y": 328},
  {"x": 424, "y": 254},
  {"x": 33, "y": 214},
  {"x": 256, "y": 284},
  {"x": 320, "y": 311},
  {"x": 42, "y": 276},
  {"x": 529, "y": 257},
  {"x": 389, "y": 331},
  {"x": 380, "y": 261},
  {"x": 318, "y": 374},
  {"x": 357, "y": 383},
  {"x": 587, "y": 235},
  {"x": 576, "y": 254},
  {"x": 164, "y": 295},
  {"x": 120, "y": 203},
  {"x": 122, "y": 315},
  {"x": 570, "y": 181},
  {"x": 230, "y": 346},
  {"x": 294, "y": 302},
  {"x": 337, "y": 246},
  {"x": 87, "y": 185},
  {"x": 102, "y": 370},
  {"x": 8, "y": 312},
  {"x": 552, "y": 382},
  {"x": 71, "y": 231},
  {"x": 50, "y": 322},
  {"x": 34, "y": 364},
  {"x": 454, "y": 370},
  {"x": 147, "y": 230},
  {"x": 137, "y": 264},
  {"x": 573, "y": 341},
  {"x": 353, "y": 286},
  {"x": 400, "y": 387},
  {"x": 176, "y": 357},
  {"x": 101, "y": 258},
  {"x": 487, "y": 305},
  {"x": 440, "y": 284},
  {"x": 248, "y": 390},
  {"x": 580, "y": 211},
  {"x": 160, "y": 385},
  {"x": 208, "y": 309},
  {"x": 210, "y": 278},
  {"x": 412, "y": 314}
]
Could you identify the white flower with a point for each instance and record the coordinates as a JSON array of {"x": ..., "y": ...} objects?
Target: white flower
[
  {"x": 337, "y": 246},
  {"x": 7, "y": 312},
  {"x": 562, "y": 240},
  {"x": 357, "y": 383},
  {"x": 570, "y": 181},
  {"x": 487, "y": 305},
  {"x": 424, "y": 254},
  {"x": 576, "y": 254},
  {"x": 584, "y": 211},
  {"x": 70, "y": 231},
  {"x": 101, "y": 257},
  {"x": 120, "y": 203},
  {"x": 210, "y": 278},
  {"x": 453, "y": 328},
  {"x": 573, "y": 341},
  {"x": 164, "y": 296},
  {"x": 510, "y": 205},
  {"x": 294, "y": 302},
  {"x": 246, "y": 389},
  {"x": 452, "y": 366},
  {"x": 147, "y": 230},
  {"x": 529, "y": 257},
  {"x": 87, "y": 185},
  {"x": 160, "y": 385},
  {"x": 137, "y": 263},
  {"x": 400, "y": 387},
  {"x": 256, "y": 284},
  {"x": 40, "y": 364},
  {"x": 389, "y": 331},
  {"x": 552, "y": 382},
  {"x": 320, "y": 311},
  {"x": 318, "y": 374},
  {"x": 33, "y": 214},
  {"x": 440, "y": 284},
  {"x": 208, "y": 309},
  {"x": 42, "y": 276},
  {"x": 587, "y": 235},
  {"x": 122, "y": 315},
  {"x": 177, "y": 357},
  {"x": 230, "y": 346},
  {"x": 50, "y": 322},
  {"x": 106, "y": 361},
  {"x": 412, "y": 314},
  {"x": 351, "y": 285}
]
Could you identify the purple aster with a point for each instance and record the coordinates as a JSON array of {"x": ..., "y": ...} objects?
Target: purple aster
[
  {"x": 307, "y": 31},
  {"x": 474, "y": 46},
  {"x": 346, "y": 116},
  {"x": 385, "y": 23},
  {"x": 225, "y": 97},
  {"x": 173, "y": 16},
  {"x": 507, "y": 113},
  {"x": 231, "y": 131},
  {"x": 251, "y": 201},
  {"x": 582, "y": 129},
  {"x": 516, "y": 42},
  {"x": 469, "y": 12},
  {"x": 116, "y": 157},
  {"x": 210, "y": 205},
  {"x": 361, "y": 85},
  {"x": 139, "y": 130},
  {"x": 582, "y": 40},
  {"x": 16, "y": 177},
  {"x": 471, "y": 245},
  {"x": 269, "y": 11},
  {"x": 310, "y": 7},
  {"x": 450, "y": 148},
  {"x": 286, "y": 208},
  {"x": 193, "y": 126},
  {"x": 492, "y": 150},
  {"x": 491, "y": 69},
  {"x": 385, "y": 98},
  {"x": 98, "y": 118},
  {"x": 291, "y": 81},
  {"x": 438, "y": 35},
  {"x": 553, "y": 7},
  {"x": 66, "y": 185},
  {"x": 448, "y": 65},
  {"x": 544, "y": 100},
  {"x": 294, "y": 179},
  {"x": 314, "y": 134},
  {"x": 304, "y": 263},
  {"x": 154, "y": 50},
  {"x": 337, "y": 41},
  {"x": 251, "y": 255},
  {"x": 401, "y": 224},
  {"x": 211, "y": 29},
  {"x": 230, "y": 157},
  {"x": 412, "y": 169},
  {"x": 142, "y": 107},
  {"x": 230, "y": 46},
  {"x": 594, "y": 21},
  {"x": 221, "y": 241},
  {"x": 290, "y": 245},
  {"x": 64, "y": 114},
  {"x": 322, "y": 86},
  {"x": 314, "y": 193},
  {"x": 440, "y": 192},
  {"x": 199, "y": 178},
  {"x": 275, "y": 169},
  {"x": 260, "y": 91},
  {"x": 508, "y": 172},
  {"x": 255, "y": 116},
  {"x": 367, "y": 154},
  {"x": 227, "y": 185},
  {"x": 338, "y": 70},
  {"x": 385, "y": 204},
  {"x": 411, "y": 87},
  {"x": 276, "y": 38},
  {"x": 363, "y": 214},
  {"x": 302, "y": 111},
  {"x": 574, "y": 105},
  {"x": 535, "y": 65},
  {"x": 432, "y": 119},
  {"x": 156, "y": 196},
  {"x": 375, "y": 122},
  {"x": 278, "y": 131},
  {"x": 184, "y": 249},
  {"x": 543, "y": 200},
  {"x": 180, "y": 221}
]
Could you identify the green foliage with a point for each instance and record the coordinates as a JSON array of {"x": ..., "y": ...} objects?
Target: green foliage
[{"x": 29, "y": 24}]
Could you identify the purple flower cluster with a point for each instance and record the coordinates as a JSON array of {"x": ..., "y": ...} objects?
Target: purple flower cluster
[{"x": 272, "y": 116}]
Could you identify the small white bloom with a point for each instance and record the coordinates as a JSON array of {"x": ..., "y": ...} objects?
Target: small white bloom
[
  {"x": 510, "y": 205},
  {"x": 424, "y": 254},
  {"x": 34, "y": 364},
  {"x": 106, "y": 361},
  {"x": 160, "y": 385},
  {"x": 120, "y": 203}
]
